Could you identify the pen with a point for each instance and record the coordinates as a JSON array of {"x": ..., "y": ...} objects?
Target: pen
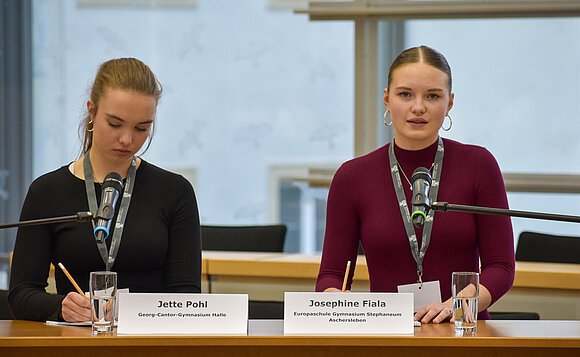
[
  {"x": 70, "y": 278},
  {"x": 346, "y": 276}
]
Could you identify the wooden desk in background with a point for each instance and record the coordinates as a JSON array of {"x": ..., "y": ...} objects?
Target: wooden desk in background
[
  {"x": 494, "y": 338},
  {"x": 552, "y": 290}
]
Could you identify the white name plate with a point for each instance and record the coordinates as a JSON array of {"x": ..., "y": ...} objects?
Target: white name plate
[
  {"x": 183, "y": 314},
  {"x": 348, "y": 314}
]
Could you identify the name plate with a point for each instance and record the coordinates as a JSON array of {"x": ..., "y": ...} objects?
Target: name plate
[
  {"x": 348, "y": 314},
  {"x": 183, "y": 314}
]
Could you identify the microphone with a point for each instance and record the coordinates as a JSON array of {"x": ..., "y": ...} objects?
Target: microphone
[
  {"x": 420, "y": 183},
  {"x": 112, "y": 187}
]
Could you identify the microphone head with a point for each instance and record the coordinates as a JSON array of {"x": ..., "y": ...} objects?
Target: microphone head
[
  {"x": 422, "y": 173},
  {"x": 419, "y": 218},
  {"x": 421, "y": 182},
  {"x": 112, "y": 188},
  {"x": 113, "y": 180}
]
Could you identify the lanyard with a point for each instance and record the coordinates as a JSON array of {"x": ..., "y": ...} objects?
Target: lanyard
[
  {"x": 110, "y": 255},
  {"x": 418, "y": 254}
]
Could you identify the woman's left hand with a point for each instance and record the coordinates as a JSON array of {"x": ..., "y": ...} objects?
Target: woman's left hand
[{"x": 435, "y": 312}]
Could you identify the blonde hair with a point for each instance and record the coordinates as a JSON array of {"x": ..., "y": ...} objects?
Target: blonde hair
[
  {"x": 121, "y": 73},
  {"x": 419, "y": 54}
]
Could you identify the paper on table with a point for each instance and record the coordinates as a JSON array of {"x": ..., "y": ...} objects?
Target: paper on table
[{"x": 64, "y": 323}]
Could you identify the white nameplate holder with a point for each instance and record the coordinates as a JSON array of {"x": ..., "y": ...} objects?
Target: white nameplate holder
[
  {"x": 348, "y": 314},
  {"x": 183, "y": 314}
]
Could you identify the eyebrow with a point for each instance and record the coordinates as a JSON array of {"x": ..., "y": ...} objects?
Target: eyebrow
[
  {"x": 113, "y": 116},
  {"x": 428, "y": 90}
]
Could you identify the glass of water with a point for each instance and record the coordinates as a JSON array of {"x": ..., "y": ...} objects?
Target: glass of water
[
  {"x": 465, "y": 294},
  {"x": 103, "y": 289}
]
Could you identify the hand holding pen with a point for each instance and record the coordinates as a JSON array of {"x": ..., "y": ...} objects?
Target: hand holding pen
[
  {"x": 344, "y": 282},
  {"x": 76, "y": 306}
]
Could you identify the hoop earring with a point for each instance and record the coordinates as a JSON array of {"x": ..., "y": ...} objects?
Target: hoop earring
[
  {"x": 385, "y": 119},
  {"x": 92, "y": 124},
  {"x": 450, "y": 123}
]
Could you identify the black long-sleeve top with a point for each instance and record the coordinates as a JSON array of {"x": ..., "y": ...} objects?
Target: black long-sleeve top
[{"x": 160, "y": 249}]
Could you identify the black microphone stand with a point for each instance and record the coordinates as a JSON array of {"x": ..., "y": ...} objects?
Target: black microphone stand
[
  {"x": 445, "y": 207},
  {"x": 78, "y": 217}
]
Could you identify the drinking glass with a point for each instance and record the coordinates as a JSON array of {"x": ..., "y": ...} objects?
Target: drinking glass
[
  {"x": 465, "y": 294},
  {"x": 103, "y": 290}
]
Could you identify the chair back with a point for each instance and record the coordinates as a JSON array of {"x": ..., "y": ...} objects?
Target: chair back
[
  {"x": 265, "y": 310},
  {"x": 5, "y": 313},
  {"x": 268, "y": 238},
  {"x": 539, "y": 247}
]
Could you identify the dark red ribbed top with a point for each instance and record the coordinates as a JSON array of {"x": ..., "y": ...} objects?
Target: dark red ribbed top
[{"x": 362, "y": 206}]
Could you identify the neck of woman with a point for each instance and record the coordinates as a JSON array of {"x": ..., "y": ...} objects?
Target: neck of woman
[
  {"x": 414, "y": 145},
  {"x": 409, "y": 160},
  {"x": 100, "y": 172},
  {"x": 101, "y": 168}
]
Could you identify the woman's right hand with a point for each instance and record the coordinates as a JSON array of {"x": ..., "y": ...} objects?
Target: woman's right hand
[{"x": 76, "y": 308}]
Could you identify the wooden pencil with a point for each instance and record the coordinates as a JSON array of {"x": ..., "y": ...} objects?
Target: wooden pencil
[
  {"x": 346, "y": 276},
  {"x": 70, "y": 278}
]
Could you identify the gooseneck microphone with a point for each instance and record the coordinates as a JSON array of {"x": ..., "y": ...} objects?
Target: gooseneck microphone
[
  {"x": 112, "y": 187},
  {"x": 420, "y": 183}
]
